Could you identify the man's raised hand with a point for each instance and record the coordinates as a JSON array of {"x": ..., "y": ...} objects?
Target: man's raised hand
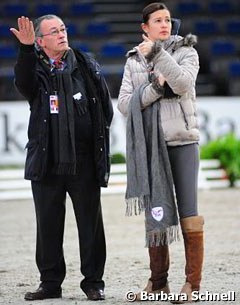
[{"x": 25, "y": 33}]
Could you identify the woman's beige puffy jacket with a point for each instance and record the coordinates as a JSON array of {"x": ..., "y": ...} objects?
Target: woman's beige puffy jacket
[{"x": 178, "y": 62}]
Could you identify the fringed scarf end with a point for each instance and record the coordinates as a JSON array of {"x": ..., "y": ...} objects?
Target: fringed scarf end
[
  {"x": 137, "y": 205},
  {"x": 156, "y": 238}
]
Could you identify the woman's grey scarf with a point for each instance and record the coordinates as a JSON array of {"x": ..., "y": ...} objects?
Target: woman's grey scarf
[{"x": 149, "y": 176}]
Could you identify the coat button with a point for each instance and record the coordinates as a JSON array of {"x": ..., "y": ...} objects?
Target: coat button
[{"x": 44, "y": 149}]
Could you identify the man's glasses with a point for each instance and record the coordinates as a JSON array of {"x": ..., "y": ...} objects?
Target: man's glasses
[{"x": 56, "y": 32}]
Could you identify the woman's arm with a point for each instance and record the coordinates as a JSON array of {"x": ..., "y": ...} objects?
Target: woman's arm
[
  {"x": 181, "y": 76},
  {"x": 127, "y": 88}
]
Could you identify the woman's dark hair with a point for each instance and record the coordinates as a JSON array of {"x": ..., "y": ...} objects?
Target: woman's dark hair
[{"x": 151, "y": 8}]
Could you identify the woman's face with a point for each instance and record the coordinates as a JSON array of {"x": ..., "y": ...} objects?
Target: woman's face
[{"x": 159, "y": 25}]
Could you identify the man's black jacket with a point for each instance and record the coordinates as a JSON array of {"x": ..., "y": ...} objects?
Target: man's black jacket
[{"x": 32, "y": 82}]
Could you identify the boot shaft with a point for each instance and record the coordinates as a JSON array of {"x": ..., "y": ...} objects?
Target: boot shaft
[
  {"x": 192, "y": 229},
  {"x": 192, "y": 224},
  {"x": 159, "y": 265}
]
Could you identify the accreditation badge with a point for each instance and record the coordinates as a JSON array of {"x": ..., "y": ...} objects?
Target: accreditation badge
[{"x": 53, "y": 102}]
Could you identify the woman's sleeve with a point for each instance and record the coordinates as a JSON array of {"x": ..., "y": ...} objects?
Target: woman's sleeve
[
  {"x": 180, "y": 76},
  {"x": 127, "y": 88}
]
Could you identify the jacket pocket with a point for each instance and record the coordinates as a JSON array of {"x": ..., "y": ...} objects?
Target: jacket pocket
[
  {"x": 189, "y": 113},
  {"x": 81, "y": 106},
  {"x": 33, "y": 165}
]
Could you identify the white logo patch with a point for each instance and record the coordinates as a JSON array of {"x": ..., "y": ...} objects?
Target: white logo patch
[
  {"x": 77, "y": 96},
  {"x": 157, "y": 213}
]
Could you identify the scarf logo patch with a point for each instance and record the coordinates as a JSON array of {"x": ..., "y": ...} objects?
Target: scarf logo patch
[
  {"x": 157, "y": 213},
  {"x": 77, "y": 96}
]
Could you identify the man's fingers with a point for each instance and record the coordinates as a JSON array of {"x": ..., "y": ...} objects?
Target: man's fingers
[
  {"x": 31, "y": 27},
  {"x": 24, "y": 23},
  {"x": 25, "y": 32},
  {"x": 28, "y": 25},
  {"x": 20, "y": 23},
  {"x": 15, "y": 32}
]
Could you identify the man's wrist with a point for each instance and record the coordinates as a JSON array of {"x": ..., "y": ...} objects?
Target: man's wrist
[{"x": 26, "y": 48}]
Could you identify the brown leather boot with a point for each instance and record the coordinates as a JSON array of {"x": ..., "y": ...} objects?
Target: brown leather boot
[
  {"x": 192, "y": 229},
  {"x": 159, "y": 265}
]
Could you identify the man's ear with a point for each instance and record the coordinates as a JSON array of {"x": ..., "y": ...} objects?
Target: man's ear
[{"x": 39, "y": 41}]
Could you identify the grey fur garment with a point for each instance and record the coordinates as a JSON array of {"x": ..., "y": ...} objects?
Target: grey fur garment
[{"x": 189, "y": 40}]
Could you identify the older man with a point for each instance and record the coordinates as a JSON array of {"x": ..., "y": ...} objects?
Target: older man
[{"x": 67, "y": 151}]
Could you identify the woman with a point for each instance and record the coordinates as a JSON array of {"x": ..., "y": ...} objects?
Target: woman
[{"x": 157, "y": 95}]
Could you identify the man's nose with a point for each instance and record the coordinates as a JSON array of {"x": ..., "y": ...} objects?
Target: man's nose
[{"x": 61, "y": 34}]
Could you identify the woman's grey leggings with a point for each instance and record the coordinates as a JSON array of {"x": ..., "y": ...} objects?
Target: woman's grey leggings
[{"x": 185, "y": 166}]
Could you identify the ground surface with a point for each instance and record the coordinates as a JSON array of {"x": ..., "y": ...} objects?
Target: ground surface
[{"x": 127, "y": 260}]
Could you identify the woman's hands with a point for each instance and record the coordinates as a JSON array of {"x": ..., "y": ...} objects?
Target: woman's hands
[
  {"x": 145, "y": 47},
  {"x": 161, "y": 79},
  {"x": 25, "y": 33}
]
